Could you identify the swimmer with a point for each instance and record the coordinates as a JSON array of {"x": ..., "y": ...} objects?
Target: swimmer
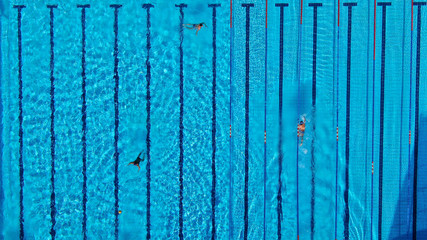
[
  {"x": 194, "y": 26},
  {"x": 301, "y": 130},
  {"x": 138, "y": 160}
]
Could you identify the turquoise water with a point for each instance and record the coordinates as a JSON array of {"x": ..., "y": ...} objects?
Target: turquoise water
[{"x": 197, "y": 120}]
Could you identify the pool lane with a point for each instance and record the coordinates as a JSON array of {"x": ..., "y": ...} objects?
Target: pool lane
[
  {"x": 381, "y": 147},
  {"x": 248, "y": 140},
  {"x": 148, "y": 122},
  {"x": 246, "y": 196},
  {"x": 313, "y": 109},
  {"x": 417, "y": 120},
  {"x": 116, "y": 120},
  {"x": 52, "y": 124},
  {"x": 214, "y": 180},
  {"x": 181, "y": 126},
  {"x": 280, "y": 150},
  {"x": 347, "y": 131},
  {"x": 21, "y": 133},
  {"x": 84, "y": 123}
]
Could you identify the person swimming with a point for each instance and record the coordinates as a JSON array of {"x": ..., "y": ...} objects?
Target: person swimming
[
  {"x": 301, "y": 130},
  {"x": 194, "y": 26},
  {"x": 138, "y": 160}
]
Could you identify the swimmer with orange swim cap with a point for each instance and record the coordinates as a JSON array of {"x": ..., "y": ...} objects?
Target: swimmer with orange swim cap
[
  {"x": 194, "y": 26},
  {"x": 301, "y": 129}
]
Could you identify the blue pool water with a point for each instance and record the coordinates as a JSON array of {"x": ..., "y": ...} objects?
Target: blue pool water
[{"x": 67, "y": 175}]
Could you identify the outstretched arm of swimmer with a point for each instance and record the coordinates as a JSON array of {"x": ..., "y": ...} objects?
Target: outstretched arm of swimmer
[{"x": 186, "y": 25}]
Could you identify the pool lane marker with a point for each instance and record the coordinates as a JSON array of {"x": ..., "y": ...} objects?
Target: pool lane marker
[
  {"x": 373, "y": 121},
  {"x": 231, "y": 13},
  {"x": 230, "y": 177},
  {"x": 381, "y": 149},
  {"x": 375, "y": 25},
  {"x": 412, "y": 15},
  {"x": 279, "y": 194},
  {"x": 266, "y": 14},
  {"x": 116, "y": 119},
  {"x": 246, "y": 197},
  {"x": 213, "y": 191},
  {"x": 417, "y": 113},
  {"x": 148, "y": 124},
  {"x": 52, "y": 124},
  {"x": 336, "y": 71},
  {"x": 181, "y": 119},
  {"x": 401, "y": 110},
  {"x": 301, "y": 4},
  {"x": 347, "y": 129},
  {"x": 265, "y": 121},
  {"x": 21, "y": 131},
  {"x": 298, "y": 73},
  {"x": 313, "y": 105},
  {"x": 84, "y": 116},
  {"x": 366, "y": 160},
  {"x": 1, "y": 143},
  {"x": 410, "y": 120}
]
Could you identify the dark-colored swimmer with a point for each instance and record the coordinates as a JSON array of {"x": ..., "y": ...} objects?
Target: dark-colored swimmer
[
  {"x": 138, "y": 160},
  {"x": 194, "y": 26}
]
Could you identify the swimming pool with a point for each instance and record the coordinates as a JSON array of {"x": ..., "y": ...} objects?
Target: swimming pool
[{"x": 86, "y": 86}]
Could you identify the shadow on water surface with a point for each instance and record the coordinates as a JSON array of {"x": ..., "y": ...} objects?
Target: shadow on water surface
[
  {"x": 420, "y": 235},
  {"x": 403, "y": 212}
]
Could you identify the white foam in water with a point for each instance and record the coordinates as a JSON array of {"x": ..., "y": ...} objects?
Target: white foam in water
[{"x": 304, "y": 150}]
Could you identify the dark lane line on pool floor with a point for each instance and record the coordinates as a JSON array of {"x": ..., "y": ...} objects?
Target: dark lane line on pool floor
[
  {"x": 381, "y": 149},
  {"x": 313, "y": 108},
  {"x": 246, "y": 197},
  {"x": 148, "y": 124},
  {"x": 84, "y": 117},
  {"x": 52, "y": 124},
  {"x": 213, "y": 191},
  {"x": 347, "y": 125},
  {"x": 279, "y": 193},
  {"x": 21, "y": 131},
  {"x": 116, "y": 119},
  {"x": 181, "y": 118},
  {"x": 417, "y": 113}
]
